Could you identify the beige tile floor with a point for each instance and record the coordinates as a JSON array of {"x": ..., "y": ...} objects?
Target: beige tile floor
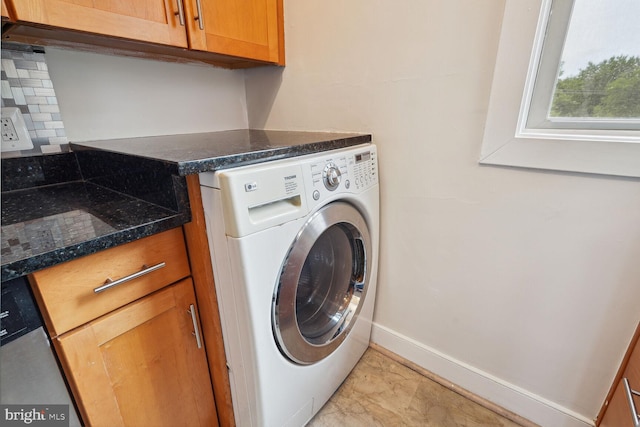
[{"x": 382, "y": 392}]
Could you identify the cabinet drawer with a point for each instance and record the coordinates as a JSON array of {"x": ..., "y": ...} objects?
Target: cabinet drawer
[{"x": 66, "y": 292}]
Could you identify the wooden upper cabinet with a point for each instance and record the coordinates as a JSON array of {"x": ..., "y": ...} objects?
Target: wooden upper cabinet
[
  {"x": 231, "y": 29},
  {"x": 154, "y": 21},
  {"x": 244, "y": 28},
  {"x": 5, "y": 11}
]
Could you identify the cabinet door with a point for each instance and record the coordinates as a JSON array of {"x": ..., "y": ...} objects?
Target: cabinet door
[
  {"x": 618, "y": 412},
  {"x": 141, "y": 365},
  {"x": 146, "y": 20},
  {"x": 244, "y": 28}
]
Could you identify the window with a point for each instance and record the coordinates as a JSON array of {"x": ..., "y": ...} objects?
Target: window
[
  {"x": 585, "y": 75},
  {"x": 566, "y": 89}
]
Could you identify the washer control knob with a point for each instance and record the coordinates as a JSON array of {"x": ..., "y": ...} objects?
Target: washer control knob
[
  {"x": 331, "y": 176},
  {"x": 316, "y": 195},
  {"x": 347, "y": 184}
]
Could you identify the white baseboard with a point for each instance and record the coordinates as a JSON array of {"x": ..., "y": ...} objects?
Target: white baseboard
[{"x": 510, "y": 397}]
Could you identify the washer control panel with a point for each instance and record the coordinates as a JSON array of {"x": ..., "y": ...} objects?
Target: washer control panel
[
  {"x": 365, "y": 172},
  {"x": 260, "y": 196},
  {"x": 350, "y": 171}
]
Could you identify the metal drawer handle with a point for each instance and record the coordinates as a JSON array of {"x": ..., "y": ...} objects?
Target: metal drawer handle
[
  {"x": 196, "y": 331},
  {"x": 109, "y": 283},
  {"x": 632, "y": 405}
]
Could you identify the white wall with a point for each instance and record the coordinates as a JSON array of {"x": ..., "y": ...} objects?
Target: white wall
[
  {"x": 520, "y": 285},
  {"x": 103, "y": 96}
]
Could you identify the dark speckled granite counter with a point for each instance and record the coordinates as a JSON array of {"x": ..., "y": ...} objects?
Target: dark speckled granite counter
[
  {"x": 105, "y": 193},
  {"x": 51, "y": 215},
  {"x": 202, "y": 152}
]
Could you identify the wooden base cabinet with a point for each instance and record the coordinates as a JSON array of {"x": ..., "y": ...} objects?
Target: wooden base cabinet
[
  {"x": 126, "y": 327},
  {"x": 148, "y": 354},
  {"x": 622, "y": 405}
]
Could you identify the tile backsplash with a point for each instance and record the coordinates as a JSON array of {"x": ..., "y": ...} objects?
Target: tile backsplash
[{"x": 26, "y": 84}]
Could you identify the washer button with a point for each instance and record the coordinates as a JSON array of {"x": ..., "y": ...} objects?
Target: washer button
[
  {"x": 316, "y": 195},
  {"x": 347, "y": 184}
]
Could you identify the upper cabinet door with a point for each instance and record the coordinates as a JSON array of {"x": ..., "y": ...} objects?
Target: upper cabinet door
[
  {"x": 244, "y": 28},
  {"x": 154, "y": 21}
]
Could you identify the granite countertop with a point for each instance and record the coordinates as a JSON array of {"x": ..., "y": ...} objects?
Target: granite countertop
[
  {"x": 51, "y": 214},
  {"x": 56, "y": 208},
  {"x": 44, "y": 226},
  {"x": 201, "y": 152}
]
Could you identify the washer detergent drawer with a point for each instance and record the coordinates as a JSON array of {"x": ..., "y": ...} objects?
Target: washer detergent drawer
[{"x": 261, "y": 197}]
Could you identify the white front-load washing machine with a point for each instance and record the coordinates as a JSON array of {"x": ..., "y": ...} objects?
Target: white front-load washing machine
[{"x": 294, "y": 247}]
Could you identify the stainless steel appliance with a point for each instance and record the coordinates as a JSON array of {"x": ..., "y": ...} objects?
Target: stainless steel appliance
[{"x": 29, "y": 372}]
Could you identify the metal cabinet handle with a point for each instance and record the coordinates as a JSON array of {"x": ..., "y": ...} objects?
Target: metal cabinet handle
[
  {"x": 109, "y": 283},
  {"x": 4, "y": 314},
  {"x": 199, "y": 17},
  {"x": 180, "y": 12},
  {"x": 632, "y": 405},
  {"x": 196, "y": 331}
]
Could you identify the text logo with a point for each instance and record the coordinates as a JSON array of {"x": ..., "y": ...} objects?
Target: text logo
[{"x": 35, "y": 415}]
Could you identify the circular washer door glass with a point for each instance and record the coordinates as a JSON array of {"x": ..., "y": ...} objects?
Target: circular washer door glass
[{"x": 322, "y": 284}]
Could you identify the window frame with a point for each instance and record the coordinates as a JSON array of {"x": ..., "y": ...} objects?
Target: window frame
[{"x": 508, "y": 142}]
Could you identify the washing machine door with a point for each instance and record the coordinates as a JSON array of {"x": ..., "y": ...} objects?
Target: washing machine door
[{"x": 323, "y": 282}]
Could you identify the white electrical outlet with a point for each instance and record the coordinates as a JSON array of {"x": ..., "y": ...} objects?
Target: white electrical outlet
[{"x": 15, "y": 135}]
